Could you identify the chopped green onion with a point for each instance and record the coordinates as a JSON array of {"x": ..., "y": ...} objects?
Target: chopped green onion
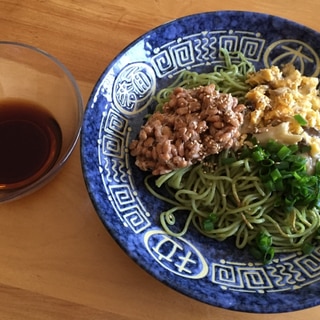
[
  {"x": 264, "y": 241},
  {"x": 273, "y": 147},
  {"x": 258, "y": 155},
  {"x": 282, "y": 165},
  {"x": 294, "y": 148},
  {"x": 288, "y": 203},
  {"x": 268, "y": 256},
  {"x": 297, "y": 162},
  {"x": 263, "y": 249},
  {"x": 307, "y": 248},
  {"x": 286, "y": 174},
  {"x": 284, "y": 152},
  {"x": 275, "y": 174},
  {"x": 269, "y": 185},
  {"x": 208, "y": 225},
  {"x": 296, "y": 176},
  {"x": 267, "y": 162},
  {"x": 279, "y": 186},
  {"x": 213, "y": 216},
  {"x": 301, "y": 120}
]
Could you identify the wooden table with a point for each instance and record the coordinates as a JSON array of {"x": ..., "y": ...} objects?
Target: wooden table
[{"x": 57, "y": 261}]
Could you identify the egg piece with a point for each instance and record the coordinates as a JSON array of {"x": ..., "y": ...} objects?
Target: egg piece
[{"x": 276, "y": 97}]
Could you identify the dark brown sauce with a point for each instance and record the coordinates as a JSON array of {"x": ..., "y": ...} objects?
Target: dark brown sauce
[{"x": 30, "y": 142}]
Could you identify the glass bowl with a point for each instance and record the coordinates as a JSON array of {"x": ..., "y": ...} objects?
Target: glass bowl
[{"x": 41, "y": 112}]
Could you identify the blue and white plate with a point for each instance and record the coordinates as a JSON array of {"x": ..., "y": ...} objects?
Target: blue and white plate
[{"x": 213, "y": 272}]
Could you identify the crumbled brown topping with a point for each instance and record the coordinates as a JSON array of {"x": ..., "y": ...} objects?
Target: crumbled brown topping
[{"x": 194, "y": 124}]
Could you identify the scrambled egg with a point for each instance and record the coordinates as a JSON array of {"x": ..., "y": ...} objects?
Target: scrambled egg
[{"x": 277, "y": 97}]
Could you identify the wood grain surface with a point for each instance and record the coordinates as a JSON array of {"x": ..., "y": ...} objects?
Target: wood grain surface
[{"x": 57, "y": 261}]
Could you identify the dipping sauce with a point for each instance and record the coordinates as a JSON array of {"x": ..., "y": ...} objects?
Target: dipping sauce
[{"x": 30, "y": 142}]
